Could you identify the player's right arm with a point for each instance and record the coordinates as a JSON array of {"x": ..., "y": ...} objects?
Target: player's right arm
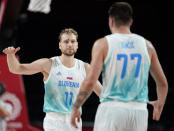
[
  {"x": 98, "y": 87},
  {"x": 42, "y": 65},
  {"x": 161, "y": 82}
]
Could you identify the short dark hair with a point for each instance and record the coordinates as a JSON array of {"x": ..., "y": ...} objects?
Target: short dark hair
[
  {"x": 2, "y": 88},
  {"x": 68, "y": 31},
  {"x": 121, "y": 12}
]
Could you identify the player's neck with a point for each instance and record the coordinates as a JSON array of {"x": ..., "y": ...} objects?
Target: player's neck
[
  {"x": 121, "y": 30},
  {"x": 67, "y": 61}
]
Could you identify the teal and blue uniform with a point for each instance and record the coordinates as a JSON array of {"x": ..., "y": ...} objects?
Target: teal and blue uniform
[
  {"x": 124, "y": 95},
  {"x": 126, "y": 69},
  {"x": 62, "y": 86}
]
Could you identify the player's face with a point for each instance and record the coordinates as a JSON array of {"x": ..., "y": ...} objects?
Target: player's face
[{"x": 68, "y": 44}]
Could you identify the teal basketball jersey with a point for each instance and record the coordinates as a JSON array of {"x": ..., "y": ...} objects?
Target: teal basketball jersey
[
  {"x": 126, "y": 69},
  {"x": 62, "y": 86}
]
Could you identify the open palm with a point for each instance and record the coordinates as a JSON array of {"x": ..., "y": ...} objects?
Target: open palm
[{"x": 11, "y": 50}]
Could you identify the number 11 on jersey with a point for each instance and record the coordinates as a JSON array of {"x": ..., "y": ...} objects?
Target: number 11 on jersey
[{"x": 68, "y": 98}]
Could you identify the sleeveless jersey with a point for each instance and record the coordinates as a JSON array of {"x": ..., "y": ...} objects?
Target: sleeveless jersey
[
  {"x": 126, "y": 69},
  {"x": 62, "y": 86}
]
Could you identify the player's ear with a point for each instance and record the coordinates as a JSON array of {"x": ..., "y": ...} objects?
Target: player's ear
[
  {"x": 131, "y": 22},
  {"x": 111, "y": 22},
  {"x": 77, "y": 45},
  {"x": 59, "y": 45}
]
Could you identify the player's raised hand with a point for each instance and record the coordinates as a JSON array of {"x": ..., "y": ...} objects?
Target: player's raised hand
[{"x": 11, "y": 50}]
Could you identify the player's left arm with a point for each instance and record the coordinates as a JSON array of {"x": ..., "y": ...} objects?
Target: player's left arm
[
  {"x": 158, "y": 75},
  {"x": 98, "y": 87}
]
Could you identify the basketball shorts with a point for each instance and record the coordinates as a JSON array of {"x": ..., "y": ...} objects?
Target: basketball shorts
[
  {"x": 121, "y": 116},
  {"x": 59, "y": 122}
]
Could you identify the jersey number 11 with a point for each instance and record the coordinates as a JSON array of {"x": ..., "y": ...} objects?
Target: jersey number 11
[{"x": 68, "y": 98}]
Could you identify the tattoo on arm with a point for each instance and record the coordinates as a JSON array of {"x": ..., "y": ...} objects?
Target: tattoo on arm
[{"x": 81, "y": 98}]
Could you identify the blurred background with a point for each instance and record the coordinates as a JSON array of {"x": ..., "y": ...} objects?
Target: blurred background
[{"x": 37, "y": 35}]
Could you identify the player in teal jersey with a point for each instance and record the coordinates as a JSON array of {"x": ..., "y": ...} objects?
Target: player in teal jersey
[
  {"x": 125, "y": 59},
  {"x": 63, "y": 76}
]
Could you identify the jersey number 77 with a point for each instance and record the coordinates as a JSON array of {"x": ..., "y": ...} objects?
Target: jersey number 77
[{"x": 125, "y": 62}]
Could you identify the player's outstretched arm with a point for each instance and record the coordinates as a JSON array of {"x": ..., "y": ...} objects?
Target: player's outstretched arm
[
  {"x": 26, "y": 69},
  {"x": 161, "y": 82}
]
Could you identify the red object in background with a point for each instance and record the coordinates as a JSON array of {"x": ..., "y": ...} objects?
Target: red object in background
[
  {"x": 87, "y": 129},
  {"x": 15, "y": 95}
]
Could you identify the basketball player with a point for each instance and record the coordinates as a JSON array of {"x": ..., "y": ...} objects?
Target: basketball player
[
  {"x": 126, "y": 59},
  {"x": 63, "y": 76}
]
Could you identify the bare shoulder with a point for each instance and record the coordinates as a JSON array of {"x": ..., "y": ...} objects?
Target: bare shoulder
[
  {"x": 47, "y": 60},
  {"x": 101, "y": 47},
  {"x": 100, "y": 43},
  {"x": 149, "y": 45},
  {"x": 86, "y": 65},
  {"x": 151, "y": 50},
  {"x": 45, "y": 63}
]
